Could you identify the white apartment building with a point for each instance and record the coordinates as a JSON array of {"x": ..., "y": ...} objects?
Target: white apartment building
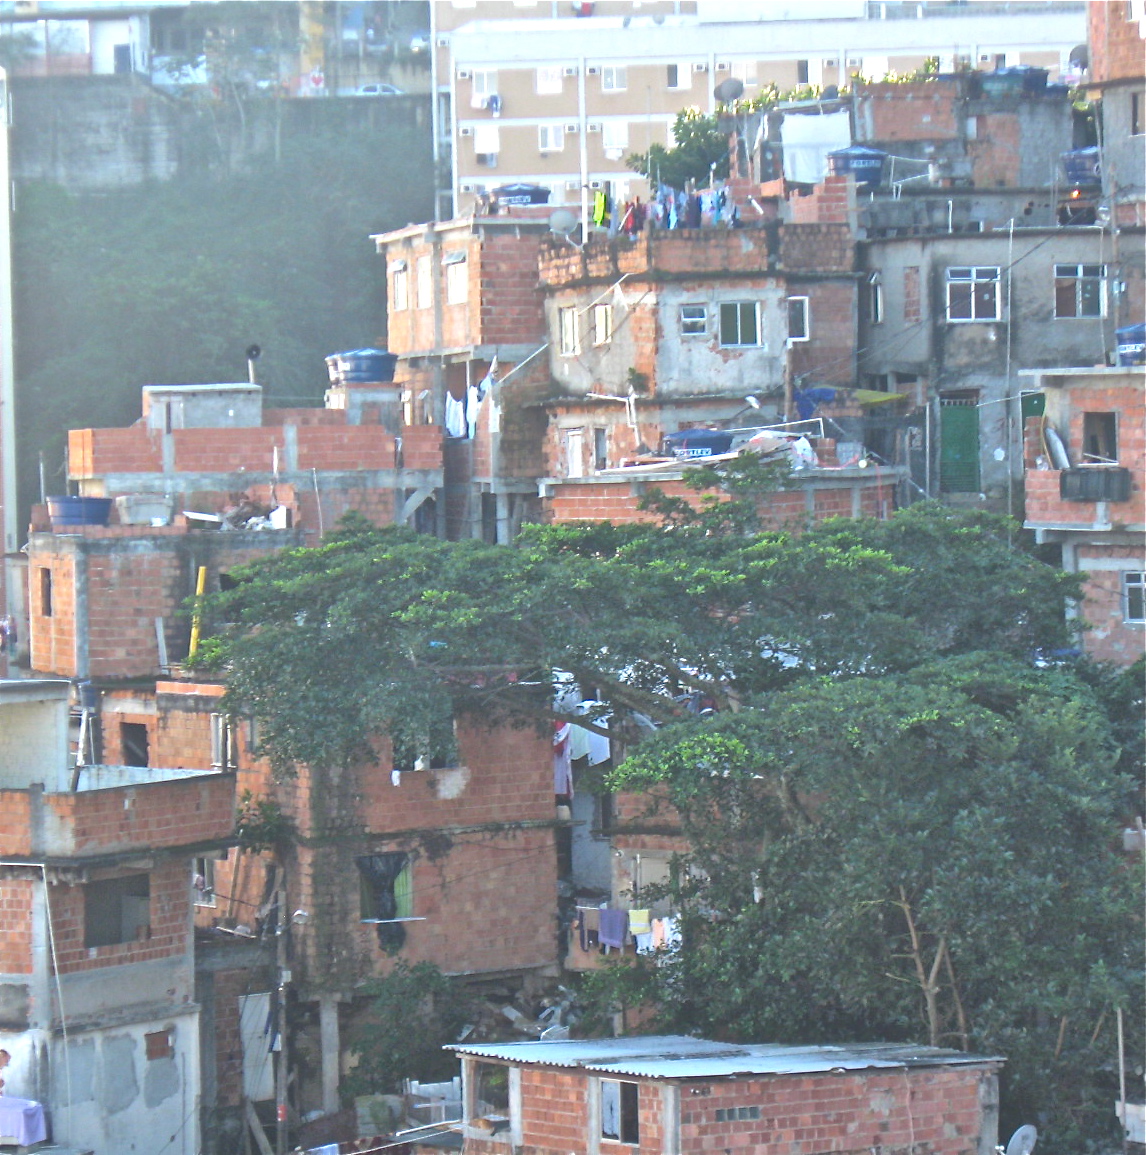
[{"x": 559, "y": 93}]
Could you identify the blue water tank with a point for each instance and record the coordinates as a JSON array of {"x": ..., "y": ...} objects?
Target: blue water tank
[
  {"x": 67, "y": 511},
  {"x": 1130, "y": 345},
  {"x": 1081, "y": 166},
  {"x": 361, "y": 367},
  {"x": 865, "y": 164},
  {"x": 698, "y": 442}
]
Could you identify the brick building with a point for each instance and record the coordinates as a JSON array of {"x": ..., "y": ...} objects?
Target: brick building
[
  {"x": 1085, "y": 459},
  {"x": 462, "y": 300},
  {"x": 1116, "y": 36},
  {"x": 687, "y": 1095},
  {"x": 97, "y": 967}
]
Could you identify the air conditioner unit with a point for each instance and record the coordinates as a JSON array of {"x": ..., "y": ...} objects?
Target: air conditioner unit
[
  {"x": 596, "y": 184},
  {"x": 467, "y": 188},
  {"x": 464, "y": 74},
  {"x": 443, "y": 42},
  {"x": 829, "y": 64},
  {"x": 593, "y": 70},
  {"x": 570, "y": 70},
  {"x": 700, "y": 68},
  {"x": 572, "y": 186},
  {"x": 722, "y": 66},
  {"x": 465, "y": 132},
  {"x": 571, "y": 128},
  {"x": 593, "y": 126}
]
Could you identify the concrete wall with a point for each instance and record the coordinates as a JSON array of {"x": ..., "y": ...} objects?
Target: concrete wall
[{"x": 33, "y": 732}]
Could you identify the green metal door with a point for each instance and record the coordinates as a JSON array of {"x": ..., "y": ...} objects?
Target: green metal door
[{"x": 959, "y": 444}]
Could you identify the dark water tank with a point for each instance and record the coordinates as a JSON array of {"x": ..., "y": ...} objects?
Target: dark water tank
[
  {"x": 1131, "y": 345},
  {"x": 66, "y": 511},
  {"x": 698, "y": 442},
  {"x": 865, "y": 164},
  {"x": 1081, "y": 166},
  {"x": 361, "y": 367}
]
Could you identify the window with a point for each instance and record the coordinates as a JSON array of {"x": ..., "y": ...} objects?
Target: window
[
  {"x": 613, "y": 78},
  {"x": 133, "y": 744},
  {"x": 222, "y": 742},
  {"x": 575, "y": 453},
  {"x": 734, "y": 1114},
  {"x": 567, "y": 322},
  {"x": 551, "y": 137},
  {"x": 489, "y": 1090},
  {"x": 45, "y": 592},
  {"x": 693, "y": 320},
  {"x": 487, "y": 144},
  {"x": 425, "y": 275},
  {"x": 1134, "y": 596},
  {"x": 600, "y": 449},
  {"x": 548, "y": 80},
  {"x": 457, "y": 278},
  {"x": 678, "y": 76},
  {"x": 973, "y": 294},
  {"x": 1079, "y": 291},
  {"x": 1136, "y": 114},
  {"x": 745, "y": 72},
  {"x": 158, "y": 1045},
  {"x": 399, "y": 286},
  {"x": 619, "y": 1114},
  {"x": 203, "y": 881},
  {"x": 602, "y": 324},
  {"x": 484, "y": 86},
  {"x": 798, "y": 319},
  {"x": 117, "y": 910},
  {"x": 801, "y": 72},
  {"x": 1100, "y": 439},
  {"x": 615, "y": 137},
  {"x": 385, "y": 895},
  {"x": 738, "y": 323},
  {"x": 874, "y": 299}
]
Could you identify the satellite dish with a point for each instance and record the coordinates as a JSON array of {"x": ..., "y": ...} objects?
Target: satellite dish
[
  {"x": 729, "y": 90},
  {"x": 1079, "y": 57},
  {"x": 1023, "y": 1140},
  {"x": 832, "y": 92},
  {"x": 562, "y": 222}
]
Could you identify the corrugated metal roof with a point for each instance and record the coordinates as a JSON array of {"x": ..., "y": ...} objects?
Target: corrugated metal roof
[{"x": 683, "y": 1057}]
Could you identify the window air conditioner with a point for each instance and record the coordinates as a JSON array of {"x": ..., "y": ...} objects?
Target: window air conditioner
[
  {"x": 569, "y": 70},
  {"x": 464, "y": 74},
  {"x": 722, "y": 66},
  {"x": 570, "y": 128},
  {"x": 593, "y": 70},
  {"x": 700, "y": 68},
  {"x": 465, "y": 132},
  {"x": 443, "y": 42},
  {"x": 593, "y": 126},
  {"x": 596, "y": 184}
]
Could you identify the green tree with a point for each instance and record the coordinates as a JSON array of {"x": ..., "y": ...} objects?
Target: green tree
[
  {"x": 926, "y": 855},
  {"x": 700, "y": 151},
  {"x": 414, "y": 1012}
]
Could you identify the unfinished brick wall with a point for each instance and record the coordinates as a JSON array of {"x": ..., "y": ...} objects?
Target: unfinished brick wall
[
  {"x": 1110, "y": 638},
  {"x": 828, "y": 356},
  {"x": 506, "y": 289},
  {"x": 921, "y": 110},
  {"x": 170, "y": 915},
  {"x": 1115, "y": 41},
  {"x": 16, "y": 906}
]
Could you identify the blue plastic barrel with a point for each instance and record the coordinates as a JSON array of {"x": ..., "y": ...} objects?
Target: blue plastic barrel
[
  {"x": 361, "y": 367},
  {"x": 1130, "y": 345},
  {"x": 65, "y": 511},
  {"x": 865, "y": 164}
]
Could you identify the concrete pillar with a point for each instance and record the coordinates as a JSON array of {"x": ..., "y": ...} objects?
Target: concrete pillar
[{"x": 329, "y": 1037}]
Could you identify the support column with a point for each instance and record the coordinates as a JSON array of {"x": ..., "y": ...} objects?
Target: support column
[{"x": 329, "y": 1037}]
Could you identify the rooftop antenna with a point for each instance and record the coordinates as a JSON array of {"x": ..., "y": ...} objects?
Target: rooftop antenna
[
  {"x": 253, "y": 354},
  {"x": 563, "y": 223}
]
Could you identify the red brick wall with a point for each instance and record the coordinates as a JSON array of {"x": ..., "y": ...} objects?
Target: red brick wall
[
  {"x": 93, "y": 452},
  {"x": 52, "y": 639},
  {"x": 896, "y": 1112},
  {"x": 15, "y": 910},
  {"x": 156, "y": 814},
  {"x": 1110, "y": 639},
  {"x": 923, "y": 110},
  {"x": 170, "y": 926},
  {"x": 995, "y": 149},
  {"x": 1116, "y": 46},
  {"x": 506, "y": 289},
  {"x": 828, "y": 357}
]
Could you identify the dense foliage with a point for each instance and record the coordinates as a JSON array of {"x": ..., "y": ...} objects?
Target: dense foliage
[
  {"x": 170, "y": 283},
  {"x": 902, "y": 823}
]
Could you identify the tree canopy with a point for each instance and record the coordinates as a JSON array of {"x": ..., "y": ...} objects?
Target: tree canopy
[{"x": 901, "y": 818}]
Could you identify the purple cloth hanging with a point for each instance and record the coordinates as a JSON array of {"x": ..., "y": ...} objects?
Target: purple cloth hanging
[{"x": 613, "y": 926}]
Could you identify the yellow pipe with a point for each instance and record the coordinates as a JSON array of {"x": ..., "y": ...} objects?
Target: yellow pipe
[{"x": 200, "y": 590}]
